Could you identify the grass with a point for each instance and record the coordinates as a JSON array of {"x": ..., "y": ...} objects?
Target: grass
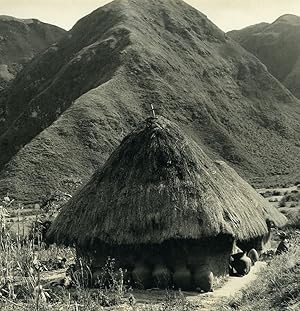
[
  {"x": 213, "y": 87},
  {"x": 24, "y": 280},
  {"x": 293, "y": 215},
  {"x": 29, "y": 275},
  {"x": 27, "y": 265},
  {"x": 276, "y": 289},
  {"x": 292, "y": 197},
  {"x": 288, "y": 202},
  {"x": 25, "y": 270},
  {"x": 173, "y": 301},
  {"x": 28, "y": 268}
]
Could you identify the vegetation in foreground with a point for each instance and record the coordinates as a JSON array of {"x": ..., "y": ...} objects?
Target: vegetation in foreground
[
  {"x": 277, "y": 288},
  {"x": 34, "y": 276},
  {"x": 30, "y": 278}
]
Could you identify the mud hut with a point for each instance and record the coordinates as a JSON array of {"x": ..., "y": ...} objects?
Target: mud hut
[{"x": 160, "y": 202}]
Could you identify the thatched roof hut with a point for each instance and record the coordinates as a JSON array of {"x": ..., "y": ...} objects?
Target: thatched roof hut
[
  {"x": 159, "y": 185},
  {"x": 157, "y": 188}
]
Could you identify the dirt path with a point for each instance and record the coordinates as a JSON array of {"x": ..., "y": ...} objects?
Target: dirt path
[
  {"x": 206, "y": 302},
  {"x": 201, "y": 302}
]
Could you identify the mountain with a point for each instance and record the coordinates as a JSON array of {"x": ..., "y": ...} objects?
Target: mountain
[
  {"x": 277, "y": 45},
  {"x": 71, "y": 105},
  {"x": 20, "y": 41}
]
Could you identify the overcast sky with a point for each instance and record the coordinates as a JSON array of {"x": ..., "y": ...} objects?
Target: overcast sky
[{"x": 227, "y": 14}]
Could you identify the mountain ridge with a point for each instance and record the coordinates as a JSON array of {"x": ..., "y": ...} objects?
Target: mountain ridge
[
  {"x": 164, "y": 53},
  {"x": 277, "y": 45},
  {"x": 288, "y": 18},
  {"x": 20, "y": 41}
]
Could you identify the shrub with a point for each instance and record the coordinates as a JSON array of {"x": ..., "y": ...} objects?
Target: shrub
[
  {"x": 267, "y": 194},
  {"x": 276, "y": 193},
  {"x": 282, "y": 202},
  {"x": 277, "y": 287}
]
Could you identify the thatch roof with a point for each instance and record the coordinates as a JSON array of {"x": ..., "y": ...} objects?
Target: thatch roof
[{"x": 158, "y": 185}]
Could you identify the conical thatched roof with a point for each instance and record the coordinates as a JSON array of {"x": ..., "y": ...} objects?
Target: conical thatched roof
[{"x": 158, "y": 185}]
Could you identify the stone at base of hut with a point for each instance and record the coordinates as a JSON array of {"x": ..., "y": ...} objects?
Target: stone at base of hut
[
  {"x": 182, "y": 278},
  {"x": 203, "y": 280},
  {"x": 161, "y": 276},
  {"x": 240, "y": 264},
  {"x": 253, "y": 255}
]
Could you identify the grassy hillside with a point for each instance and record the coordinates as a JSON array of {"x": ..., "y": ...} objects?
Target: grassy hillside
[
  {"x": 70, "y": 107},
  {"x": 20, "y": 41},
  {"x": 278, "y": 46}
]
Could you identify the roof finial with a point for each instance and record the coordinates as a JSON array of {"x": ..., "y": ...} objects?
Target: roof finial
[{"x": 153, "y": 111}]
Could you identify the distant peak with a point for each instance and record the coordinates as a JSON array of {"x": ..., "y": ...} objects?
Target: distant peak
[
  {"x": 288, "y": 19},
  {"x": 7, "y": 18}
]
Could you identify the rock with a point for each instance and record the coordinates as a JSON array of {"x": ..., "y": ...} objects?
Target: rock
[
  {"x": 241, "y": 264},
  {"x": 182, "y": 278},
  {"x": 253, "y": 255},
  {"x": 203, "y": 279}
]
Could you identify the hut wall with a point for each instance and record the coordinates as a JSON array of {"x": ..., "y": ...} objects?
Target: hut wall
[
  {"x": 210, "y": 254},
  {"x": 213, "y": 253},
  {"x": 260, "y": 243}
]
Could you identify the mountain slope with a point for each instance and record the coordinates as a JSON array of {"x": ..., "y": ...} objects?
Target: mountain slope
[
  {"x": 20, "y": 41},
  {"x": 278, "y": 46},
  {"x": 72, "y": 105}
]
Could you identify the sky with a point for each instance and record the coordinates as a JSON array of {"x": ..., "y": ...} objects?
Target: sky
[{"x": 226, "y": 14}]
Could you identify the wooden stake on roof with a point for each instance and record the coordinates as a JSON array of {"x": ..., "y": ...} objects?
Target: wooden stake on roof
[{"x": 153, "y": 111}]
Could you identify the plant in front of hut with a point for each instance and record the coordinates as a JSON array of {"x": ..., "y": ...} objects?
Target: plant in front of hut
[{"x": 109, "y": 287}]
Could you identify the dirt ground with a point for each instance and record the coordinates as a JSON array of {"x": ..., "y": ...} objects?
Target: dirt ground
[
  {"x": 203, "y": 302},
  {"x": 233, "y": 286}
]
